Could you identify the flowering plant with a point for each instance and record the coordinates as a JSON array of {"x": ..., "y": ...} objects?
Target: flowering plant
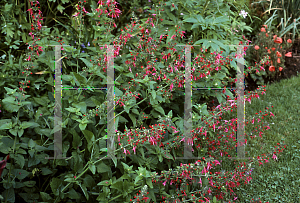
[
  {"x": 156, "y": 139},
  {"x": 145, "y": 90},
  {"x": 272, "y": 48}
]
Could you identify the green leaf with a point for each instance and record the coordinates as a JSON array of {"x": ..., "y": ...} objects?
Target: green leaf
[
  {"x": 170, "y": 34},
  {"x": 170, "y": 114},
  {"x": 132, "y": 117},
  {"x": 220, "y": 75},
  {"x": 219, "y": 43},
  {"x": 90, "y": 138},
  {"x": 10, "y": 194},
  {"x": 117, "y": 122},
  {"x": 159, "y": 109},
  {"x": 44, "y": 101},
  {"x": 191, "y": 20},
  {"x": 117, "y": 185},
  {"x": 150, "y": 84},
  {"x": 149, "y": 182},
  {"x": 118, "y": 92},
  {"x": 33, "y": 161},
  {"x": 20, "y": 160},
  {"x": 89, "y": 181},
  {"x": 7, "y": 7},
  {"x": 167, "y": 22},
  {"x": 46, "y": 171},
  {"x": 55, "y": 184},
  {"x": 14, "y": 131},
  {"x": 219, "y": 97},
  {"x": 92, "y": 167},
  {"x": 200, "y": 19},
  {"x": 215, "y": 47},
  {"x": 104, "y": 182},
  {"x": 195, "y": 26},
  {"x": 67, "y": 77},
  {"x": 20, "y": 174},
  {"x": 11, "y": 107},
  {"x": 60, "y": 8},
  {"x": 71, "y": 109},
  {"x": 46, "y": 197},
  {"x": 26, "y": 124},
  {"x": 122, "y": 119},
  {"x": 233, "y": 64},
  {"x": 119, "y": 68},
  {"x": 31, "y": 143},
  {"x": 81, "y": 106},
  {"x": 10, "y": 91},
  {"x": 114, "y": 160},
  {"x": 98, "y": 73},
  {"x": 206, "y": 44},
  {"x": 153, "y": 101},
  {"x": 172, "y": 17},
  {"x": 6, "y": 126},
  {"x": 81, "y": 81},
  {"x": 77, "y": 162},
  {"x": 73, "y": 194},
  {"x": 152, "y": 195},
  {"x": 82, "y": 126},
  {"x": 130, "y": 74},
  {"x": 154, "y": 113},
  {"x": 87, "y": 63},
  {"x": 135, "y": 111},
  {"x": 126, "y": 167},
  {"x": 76, "y": 139},
  {"x": 83, "y": 188},
  {"x": 31, "y": 152},
  {"x": 137, "y": 179},
  {"x": 153, "y": 93},
  {"x": 10, "y": 100},
  {"x": 29, "y": 183},
  {"x": 160, "y": 158}
]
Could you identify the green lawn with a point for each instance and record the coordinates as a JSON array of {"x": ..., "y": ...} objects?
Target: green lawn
[{"x": 276, "y": 181}]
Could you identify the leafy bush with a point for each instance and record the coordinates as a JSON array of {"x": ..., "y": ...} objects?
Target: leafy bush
[{"x": 144, "y": 93}]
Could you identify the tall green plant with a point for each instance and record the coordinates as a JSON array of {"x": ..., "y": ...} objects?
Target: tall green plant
[{"x": 287, "y": 10}]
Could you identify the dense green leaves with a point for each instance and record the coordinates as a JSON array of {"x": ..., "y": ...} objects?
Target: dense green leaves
[{"x": 30, "y": 120}]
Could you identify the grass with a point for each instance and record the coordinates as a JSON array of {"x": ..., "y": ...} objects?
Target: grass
[{"x": 279, "y": 180}]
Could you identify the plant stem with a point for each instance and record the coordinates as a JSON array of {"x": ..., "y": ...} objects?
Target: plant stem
[
  {"x": 207, "y": 1},
  {"x": 11, "y": 164},
  {"x": 115, "y": 197}
]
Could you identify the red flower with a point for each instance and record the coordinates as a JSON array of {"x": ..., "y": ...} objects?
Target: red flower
[
  {"x": 273, "y": 48},
  {"x": 256, "y": 47},
  {"x": 289, "y": 41},
  {"x": 278, "y": 40},
  {"x": 280, "y": 68},
  {"x": 278, "y": 60},
  {"x": 3, "y": 164},
  {"x": 263, "y": 29},
  {"x": 289, "y": 54},
  {"x": 278, "y": 54},
  {"x": 272, "y": 68}
]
